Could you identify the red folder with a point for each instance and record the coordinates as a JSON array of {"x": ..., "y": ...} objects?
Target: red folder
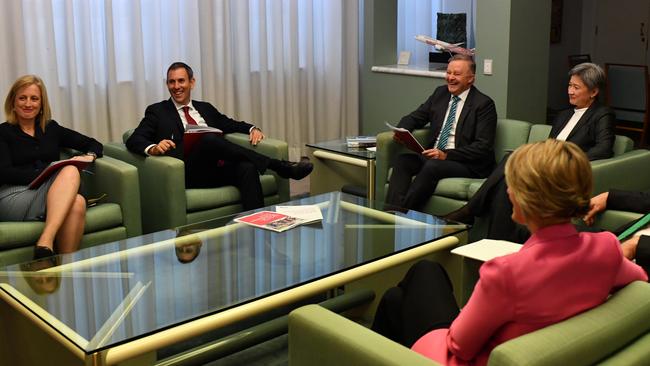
[
  {"x": 53, "y": 167},
  {"x": 194, "y": 134},
  {"x": 407, "y": 138}
]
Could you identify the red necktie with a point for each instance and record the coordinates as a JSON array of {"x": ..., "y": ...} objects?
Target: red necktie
[
  {"x": 188, "y": 118},
  {"x": 191, "y": 121}
]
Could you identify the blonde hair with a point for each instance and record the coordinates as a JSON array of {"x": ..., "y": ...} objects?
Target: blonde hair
[
  {"x": 24, "y": 81},
  {"x": 550, "y": 179}
]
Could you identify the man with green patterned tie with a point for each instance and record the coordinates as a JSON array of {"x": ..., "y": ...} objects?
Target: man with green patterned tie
[
  {"x": 634, "y": 245},
  {"x": 462, "y": 121}
]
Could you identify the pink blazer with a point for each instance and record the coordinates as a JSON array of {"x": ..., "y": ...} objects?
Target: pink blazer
[{"x": 558, "y": 273}]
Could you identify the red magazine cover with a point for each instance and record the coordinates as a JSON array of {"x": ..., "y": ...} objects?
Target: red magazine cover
[{"x": 271, "y": 220}]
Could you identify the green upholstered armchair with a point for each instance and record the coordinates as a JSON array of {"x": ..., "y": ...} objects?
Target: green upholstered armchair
[
  {"x": 621, "y": 171},
  {"x": 166, "y": 203},
  {"x": 614, "y": 333},
  {"x": 115, "y": 217},
  {"x": 451, "y": 193}
]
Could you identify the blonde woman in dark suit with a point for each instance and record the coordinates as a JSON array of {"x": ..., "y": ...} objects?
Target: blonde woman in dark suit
[{"x": 29, "y": 141}]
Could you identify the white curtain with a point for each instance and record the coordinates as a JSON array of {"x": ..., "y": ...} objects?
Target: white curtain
[
  {"x": 289, "y": 66},
  {"x": 416, "y": 17}
]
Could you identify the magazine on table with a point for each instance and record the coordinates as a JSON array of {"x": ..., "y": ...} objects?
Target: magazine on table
[
  {"x": 285, "y": 218},
  {"x": 407, "y": 138},
  {"x": 55, "y": 166},
  {"x": 193, "y": 133}
]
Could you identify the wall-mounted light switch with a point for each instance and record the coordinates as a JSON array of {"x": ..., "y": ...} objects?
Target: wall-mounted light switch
[{"x": 487, "y": 67}]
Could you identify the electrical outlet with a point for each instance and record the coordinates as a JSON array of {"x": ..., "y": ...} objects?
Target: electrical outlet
[{"x": 487, "y": 67}]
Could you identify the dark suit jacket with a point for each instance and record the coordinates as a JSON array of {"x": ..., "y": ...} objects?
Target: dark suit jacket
[
  {"x": 594, "y": 132},
  {"x": 162, "y": 121},
  {"x": 635, "y": 202},
  {"x": 475, "y": 129},
  {"x": 23, "y": 157}
]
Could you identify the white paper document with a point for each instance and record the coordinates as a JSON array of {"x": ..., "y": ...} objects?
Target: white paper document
[
  {"x": 308, "y": 213},
  {"x": 486, "y": 249}
]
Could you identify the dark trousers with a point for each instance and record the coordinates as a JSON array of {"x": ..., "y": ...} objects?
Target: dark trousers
[
  {"x": 421, "y": 302},
  {"x": 492, "y": 202},
  {"x": 406, "y": 192},
  {"x": 216, "y": 162}
]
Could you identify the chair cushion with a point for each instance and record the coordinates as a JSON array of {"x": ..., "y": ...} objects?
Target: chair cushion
[
  {"x": 454, "y": 188},
  {"x": 474, "y": 186},
  {"x": 539, "y": 132},
  {"x": 622, "y": 144},
  {"x": 458, "y": 188},
  {"x": 102, "y": 217},
  {"x": 20, "y": 234},
  {"x": 510, "y": 134},
  {"x": 199, "y": 199}
]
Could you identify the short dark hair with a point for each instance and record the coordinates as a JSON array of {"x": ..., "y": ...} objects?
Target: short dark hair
[
  {"x": 463, "y": 57},
  {"x": 181, "y": 65}
]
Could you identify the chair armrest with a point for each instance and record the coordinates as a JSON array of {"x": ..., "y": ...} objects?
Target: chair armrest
[
  {"x": 272, "y": 148},
  {"x": 387, "y": 150},
  {"x": 119, "y": 181},
  {"x": 628, "y": 171},
  {"x": 319, "y": 337},
  {"x": 162, "y": 187},
  {"x": 585, "y": 339},
  {"x": 613, "y": 219}
]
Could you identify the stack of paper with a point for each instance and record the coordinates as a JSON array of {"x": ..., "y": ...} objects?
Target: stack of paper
[
  {"x": 486, "y": 249},
  {"x": 361, "y": 141}
]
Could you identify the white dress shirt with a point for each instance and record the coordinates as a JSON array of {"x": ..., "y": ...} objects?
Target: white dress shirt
[
  {"x": 566, "y": 131},
  {"x": 451, "y": 141}
]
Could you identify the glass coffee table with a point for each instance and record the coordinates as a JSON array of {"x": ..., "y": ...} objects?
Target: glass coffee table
[
  {"x": 337, "y": 166},
  {"x": 119, "y": 302}
]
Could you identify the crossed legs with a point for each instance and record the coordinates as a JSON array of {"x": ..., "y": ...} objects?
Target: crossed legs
[{"x": 65, "y": 213}]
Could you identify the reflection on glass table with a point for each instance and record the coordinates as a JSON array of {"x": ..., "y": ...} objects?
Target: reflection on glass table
[{"x": 107, "y": 295}]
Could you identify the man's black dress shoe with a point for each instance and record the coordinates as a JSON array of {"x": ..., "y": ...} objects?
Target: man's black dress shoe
[
  {"x": 42, "y": 252},
  {"x": 291, "y": 170}
]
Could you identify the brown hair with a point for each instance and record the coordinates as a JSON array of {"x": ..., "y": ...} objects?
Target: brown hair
[
  {"x": 45, "y": 114},
  {"x": 467, "y": 58},
  {"x": 550, "y": 179}
]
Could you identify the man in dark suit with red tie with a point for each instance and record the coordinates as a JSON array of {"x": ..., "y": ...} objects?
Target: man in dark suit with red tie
[
  {"x": 213, "y": 161},
  {"x": 462, "y": 121}
]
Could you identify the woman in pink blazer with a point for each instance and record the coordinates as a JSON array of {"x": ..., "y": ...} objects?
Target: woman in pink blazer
[{"x": 557, "y": 274}]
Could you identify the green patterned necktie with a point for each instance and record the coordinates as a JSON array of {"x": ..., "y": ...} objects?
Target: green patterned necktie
[{"x": 446, "y": 129}]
